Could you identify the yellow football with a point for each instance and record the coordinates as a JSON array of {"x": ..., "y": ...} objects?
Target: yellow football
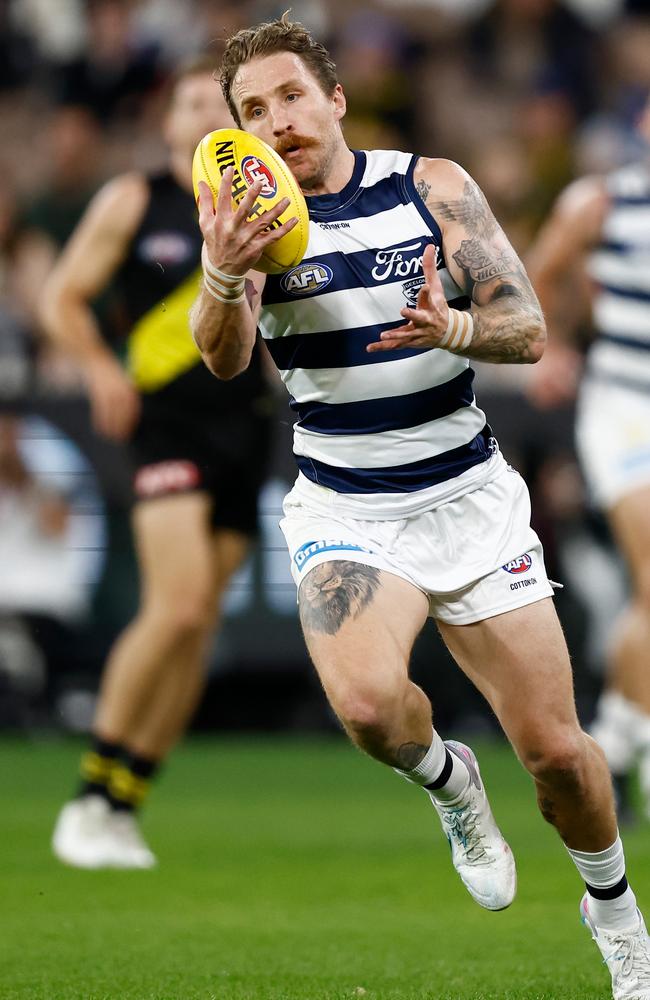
[{"x": 253, "y": 159}]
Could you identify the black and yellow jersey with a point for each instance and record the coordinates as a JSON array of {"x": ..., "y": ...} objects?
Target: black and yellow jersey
[{"x": 157, "y": 283}]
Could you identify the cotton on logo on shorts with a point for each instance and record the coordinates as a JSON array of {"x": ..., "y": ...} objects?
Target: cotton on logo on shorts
[
  {"x": 166, "y": 477},
  {"x": 519, "y": 565},
  {"x": 309, "y": 549}
]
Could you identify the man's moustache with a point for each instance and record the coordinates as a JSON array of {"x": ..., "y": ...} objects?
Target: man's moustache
[{"x": 292, "y": 142}]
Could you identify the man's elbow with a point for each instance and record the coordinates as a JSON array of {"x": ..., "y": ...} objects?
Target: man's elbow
[
  {"x": 537, "y": 342},
  {"x": 225, "y": 369},
  {"x": 48, "y": 306}
]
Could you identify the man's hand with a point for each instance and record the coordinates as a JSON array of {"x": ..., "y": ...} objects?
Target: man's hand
[
  {"x": 114, "y": 401},
  {"x": 234, "y": 243},
  {"x": 427, "y": 323}
]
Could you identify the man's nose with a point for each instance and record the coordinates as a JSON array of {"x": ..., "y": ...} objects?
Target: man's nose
[{"x": 281, "y": 122}]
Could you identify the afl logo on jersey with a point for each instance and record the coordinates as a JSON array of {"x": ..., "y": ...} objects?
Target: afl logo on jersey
[
  {"x": 306, "y": 279},
  {"x": 253, "y": 169},
  {"x": 519, "y": 565}
]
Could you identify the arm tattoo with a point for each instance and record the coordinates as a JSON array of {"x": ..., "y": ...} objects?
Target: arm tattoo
[
  {"x": 477, "y": 257},
  {"x": 335, "y": 592},
  {"x": 409, "y": 755},
  {"x": 508, "y": 322},
  {"x": 471, "y": 211},
  {"x": 479, "y": 264},
  {"x": 423, "y": 189}
]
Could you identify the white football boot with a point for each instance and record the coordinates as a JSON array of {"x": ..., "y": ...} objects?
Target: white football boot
[
  {"x": 626, "y": 953},
  {"x": 127, "y": 846},
  {"x": 81, "y": 835},
  {"x": 479, "y": 852}
]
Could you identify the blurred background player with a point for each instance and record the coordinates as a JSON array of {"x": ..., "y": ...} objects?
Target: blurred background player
[
  {"x": 199, "y": 451},
  {"x": 599, "y": 230}
]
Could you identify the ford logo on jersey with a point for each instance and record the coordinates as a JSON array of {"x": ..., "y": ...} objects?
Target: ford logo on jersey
[
  {"x": 306, "y": 279},
  {"x": 519, "y": 565}
]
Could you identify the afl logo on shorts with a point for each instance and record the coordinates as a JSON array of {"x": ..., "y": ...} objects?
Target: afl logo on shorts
[
  {"x": 519, "y": 565},
  {"x": 253, "y": 169},
  {"x": 306, "y": 278}
]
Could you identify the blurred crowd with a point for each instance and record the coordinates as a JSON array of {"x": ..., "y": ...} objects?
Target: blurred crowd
[{"x": 526, "y": 94}]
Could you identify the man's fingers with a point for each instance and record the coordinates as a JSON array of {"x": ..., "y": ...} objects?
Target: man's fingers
[
  {"x": 432, "y": 276},
  {"x": 423, "y": 301},
  {"x": 224, "y": 196},
  {"x": 247, "y": 202},
  {"x": 417, "y": 316},
  {"x": 264, "y": 220},
  {"x": 409, "y": 339},
  {"x": 205, "y": 204},
  {"x": 429, "y": 262},
  {"x": 276, "y": 234}
]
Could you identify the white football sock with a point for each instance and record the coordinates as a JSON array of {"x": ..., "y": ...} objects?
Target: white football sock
[
  {"x": 604, "y": 870},
  {"x": 439, "y": 762}
]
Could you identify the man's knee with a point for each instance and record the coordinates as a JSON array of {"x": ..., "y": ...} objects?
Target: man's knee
[
  {"x": 556, "y": 757},
  {"x": 368, "y": 713},
  {"x": 185, "y": 613}
]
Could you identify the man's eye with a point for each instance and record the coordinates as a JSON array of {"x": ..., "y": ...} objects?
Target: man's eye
[
  {"x": 292, "y": 97},
  {"x": 257, "y": 112}
]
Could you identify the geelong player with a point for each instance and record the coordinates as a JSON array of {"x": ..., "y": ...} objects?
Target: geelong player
[
  {"x": 601, "y": 226},
  {"x": 199, "y": 450},
  {"x": 404, "y": 507}
]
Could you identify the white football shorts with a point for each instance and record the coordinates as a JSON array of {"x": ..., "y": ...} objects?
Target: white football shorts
[
  {"x": 473, "y": 557},
  {"x": 613, "y": 440}
]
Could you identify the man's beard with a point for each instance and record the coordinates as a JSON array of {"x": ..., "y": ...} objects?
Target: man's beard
[{"x": 321, "y": 169}]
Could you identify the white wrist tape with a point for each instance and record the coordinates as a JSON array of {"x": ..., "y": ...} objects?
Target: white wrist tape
[
  {"x": 459, "y": 332},
  {"x": 228, "y": 288}
]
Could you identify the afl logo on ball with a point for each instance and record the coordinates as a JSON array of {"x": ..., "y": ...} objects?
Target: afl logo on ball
[
  {"x": 253, "y": 169},
  {"x": 519, "y": 565}
]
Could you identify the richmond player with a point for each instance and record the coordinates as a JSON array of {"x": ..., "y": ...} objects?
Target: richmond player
[{"x": 199, "y": 448}]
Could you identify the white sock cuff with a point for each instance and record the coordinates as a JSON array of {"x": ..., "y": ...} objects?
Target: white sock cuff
[
  {"x": 430, "y": 766},
  {"x": 601, "y": 868}
]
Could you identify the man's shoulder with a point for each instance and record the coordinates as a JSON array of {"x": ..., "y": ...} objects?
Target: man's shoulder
[
  {"x": 443, "y": 176},
  {"x": 382, "y": 163}
]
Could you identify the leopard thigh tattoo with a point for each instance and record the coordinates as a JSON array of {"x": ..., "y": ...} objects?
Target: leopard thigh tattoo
[{"x": 334, "y": 592}]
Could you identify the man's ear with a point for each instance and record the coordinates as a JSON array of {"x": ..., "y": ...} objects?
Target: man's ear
[{"x": 340, "y": 104}]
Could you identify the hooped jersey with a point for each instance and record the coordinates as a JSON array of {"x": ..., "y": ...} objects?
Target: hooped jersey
[
  {"x": 620, "y": 265},
  {"x": 380, "y": 434}
]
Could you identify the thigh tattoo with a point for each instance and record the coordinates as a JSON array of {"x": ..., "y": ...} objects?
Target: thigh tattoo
[{"x": 334, "y": 592}]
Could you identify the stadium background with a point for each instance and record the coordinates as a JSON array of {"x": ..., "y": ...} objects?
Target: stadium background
[
  {"x": 525, "y": 93},
  {"x": 291, "y": 867}
]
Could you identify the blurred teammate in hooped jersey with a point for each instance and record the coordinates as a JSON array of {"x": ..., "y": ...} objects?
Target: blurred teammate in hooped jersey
[
  {"x": 404, "y": 507},
  {"x": 601, "y": 226},
  {"x": 199, "y": 448}
]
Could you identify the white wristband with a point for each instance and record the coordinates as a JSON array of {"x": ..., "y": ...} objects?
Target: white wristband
[
  {"x": 460, "y": 331},
  {"x": 228, "y": 288},
  {"x": 215, "y": 291}
]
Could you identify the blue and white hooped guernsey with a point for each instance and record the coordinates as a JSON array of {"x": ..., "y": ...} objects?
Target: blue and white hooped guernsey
[
  {"x": 378, "y": 435},
  {"x": 621, "y": 268}
]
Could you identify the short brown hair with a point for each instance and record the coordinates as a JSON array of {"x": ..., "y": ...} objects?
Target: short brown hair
[{"x": 265, "y": 39}]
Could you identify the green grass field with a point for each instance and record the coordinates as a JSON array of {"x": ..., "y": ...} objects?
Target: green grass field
[{"x": 290, "y": 870}]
